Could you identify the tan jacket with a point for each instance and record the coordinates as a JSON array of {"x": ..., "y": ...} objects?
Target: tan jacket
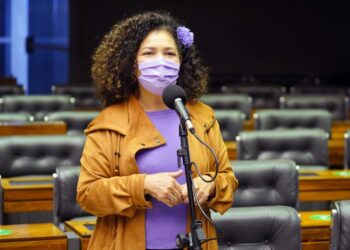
[{"x": 111, "y": 187}]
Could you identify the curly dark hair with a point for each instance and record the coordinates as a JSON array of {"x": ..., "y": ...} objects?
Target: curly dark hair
[{"x": 114, "y": 61}]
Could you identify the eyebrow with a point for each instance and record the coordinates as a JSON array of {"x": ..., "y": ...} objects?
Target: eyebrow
[{"x": 167, "y": 48}]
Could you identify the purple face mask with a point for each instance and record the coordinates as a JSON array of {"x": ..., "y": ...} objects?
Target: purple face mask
[{"x": 157, "y": 74}]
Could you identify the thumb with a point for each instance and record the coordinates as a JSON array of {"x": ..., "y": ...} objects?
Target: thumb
[{"x": 175, "y": 174}]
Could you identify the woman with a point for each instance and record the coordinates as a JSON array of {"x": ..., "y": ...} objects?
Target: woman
[{"x": 129, "y": 174}]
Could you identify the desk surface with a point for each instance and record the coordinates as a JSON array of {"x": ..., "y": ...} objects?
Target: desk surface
[
  {"x": 326, "y": 185},
  {"x": 82, "y": 227},
  {"x": 24, "y": 232},
  {"x": 27, "y": 194},
  {"x": 33, "y": 128}
]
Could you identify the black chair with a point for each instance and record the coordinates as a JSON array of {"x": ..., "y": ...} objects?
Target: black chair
[
  {"x": 64, "y": 201},
  {"x": 266, "y": 183},
  {"x": 38, "y": 155},
  {"x": 293, "y": 119},
  {"x": 347, "y": 150},
  {"x": 264, "y": 96},
  {"x": 302, "y": 89},
  {"x": 76, "y": 121},
  {"x": 15, "y": 117},
  {"x": 37, "y": 105},
  {"x": 306, "y": 147},
  {"x": 266, "y": 227},
  {"x": 240, "y": 102},
  {"x": 231, "y": 122},
  {"x": 11, "y": 89},
  {"x": 85, "y": 95},
  {"x": 337, "y": 105},
  {"x": 1, "y": 204},
  {"x": 340, "y": 239}
]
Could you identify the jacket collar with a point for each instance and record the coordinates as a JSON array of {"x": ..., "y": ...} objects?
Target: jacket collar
[{"x": 128, "y": 118}]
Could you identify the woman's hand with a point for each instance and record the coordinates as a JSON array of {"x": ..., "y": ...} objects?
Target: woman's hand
[
  {"x": 164, "y": 187},
  {"x": 203, "y": 189}
]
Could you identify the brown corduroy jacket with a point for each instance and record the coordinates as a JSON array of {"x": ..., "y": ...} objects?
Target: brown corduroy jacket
[{"x": 111, "y": 187}]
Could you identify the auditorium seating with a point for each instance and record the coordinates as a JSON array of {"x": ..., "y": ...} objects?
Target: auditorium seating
[
  {"x": 302, "y": 89},
  {"x": 76, "y": 121},
  {"x": 37, "y": 105},
  {"x": 65, "y": 191},
  {"x": 265, "y": 227},
  {"x": 11, "y": 89},
  {"x": 15, "y": 117},
  {"x": 266, "y": 183},
  {"x": 38, "y": 155},
  {"x": 85, "y": 95},
  {"x": 347, "y": 150},
  {"x": 306, "y": 147},
  {"x": 340, "y": 237},
  {"x": 240, "y": 102},
  {"x": 293, "y": 119},
  {"x": 337, "y": 105},
  {"x": 231, "y": 122},
  {"x": 264, "y": 96}
]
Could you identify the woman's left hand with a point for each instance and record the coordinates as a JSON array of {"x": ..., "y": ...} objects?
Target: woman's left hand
[{"x": 203, "y": 189}]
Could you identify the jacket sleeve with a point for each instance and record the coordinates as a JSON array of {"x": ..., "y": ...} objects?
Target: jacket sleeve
[
  {"x": 225, "y": 182},
  {"x": 101, "y": 193}
]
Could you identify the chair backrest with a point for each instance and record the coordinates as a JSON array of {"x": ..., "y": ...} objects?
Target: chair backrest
[
  {"x": 266, "y": 227},
  {"x": 293, "y": 119},
  {"x": 37, "y": 105},
  {"x": 231, "y": 122},
  {"x": 11, "y": 89},
  {"x": 306, "y": 147},
  {"x": 264, "y": 96},
  {"x": 302, "y": 89},
  {"x": 76, "y": 121},
  {"x": 1, "y": 204},
  {"x": 38, "y": 155},
  {"x": 15, "y": 117},
  {"x": 65, "y": 192},
  {"x": 337, "y": 105},
  {"x": 340, "y": 239},
  {"x": 266, "y": 183},
  {"x": 85, "y": 95},
  {"x": 239, "y": 102},
  {"x": 347, "y": 150}
]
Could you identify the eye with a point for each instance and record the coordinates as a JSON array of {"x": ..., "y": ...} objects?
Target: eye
[
  {"x": 170, "y": 53},
  {"x": 147, "y": 53}
]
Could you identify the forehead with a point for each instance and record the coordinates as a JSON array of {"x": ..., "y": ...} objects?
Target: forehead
[{"x": 158, "y": 38}]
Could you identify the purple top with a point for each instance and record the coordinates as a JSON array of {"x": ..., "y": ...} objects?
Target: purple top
[{"x": 163, "y": 222}]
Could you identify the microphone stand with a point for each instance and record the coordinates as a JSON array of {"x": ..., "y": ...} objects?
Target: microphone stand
[{"x": 194, "y": 238}]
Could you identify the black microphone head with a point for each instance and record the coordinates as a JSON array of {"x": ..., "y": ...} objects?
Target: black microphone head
[{"x": 173, "y": 92}]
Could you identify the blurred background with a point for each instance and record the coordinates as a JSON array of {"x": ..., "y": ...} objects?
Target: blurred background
[{"x": 47, "y": 42}]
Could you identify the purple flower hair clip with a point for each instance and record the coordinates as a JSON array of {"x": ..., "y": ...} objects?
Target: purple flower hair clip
[{"x": 185, "y": 36}]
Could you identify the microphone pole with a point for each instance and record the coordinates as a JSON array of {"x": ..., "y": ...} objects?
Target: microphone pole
[{"x": 193, "y": 240}]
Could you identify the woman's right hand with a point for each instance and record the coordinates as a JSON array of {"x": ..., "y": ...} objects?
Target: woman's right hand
[{"x": 164, "y": 187}]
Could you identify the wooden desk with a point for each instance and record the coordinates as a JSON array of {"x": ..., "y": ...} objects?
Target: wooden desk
[
  {"x": 82, "y": 229},
  {"x": 315, "y": 230},
  {"x": 33, "y": 128},
  {"x": 335, "y": 150},
  {"x": 324, "y": 185},
  {"x": 32, "y": 237},
  {"x": 22, "y": 194}
]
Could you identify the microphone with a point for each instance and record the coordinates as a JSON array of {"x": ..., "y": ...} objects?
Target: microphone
[{"x": 175, "y": 98}]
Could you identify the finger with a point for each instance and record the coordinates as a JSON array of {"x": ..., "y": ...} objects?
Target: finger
[
  {"x": 177, "y": 195},
  {"x": 176, "y": 174},
  {"x": 184, "y": 192},
  {"x": 167, "y": 202},
  {"x": 177, "y": 186}
]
